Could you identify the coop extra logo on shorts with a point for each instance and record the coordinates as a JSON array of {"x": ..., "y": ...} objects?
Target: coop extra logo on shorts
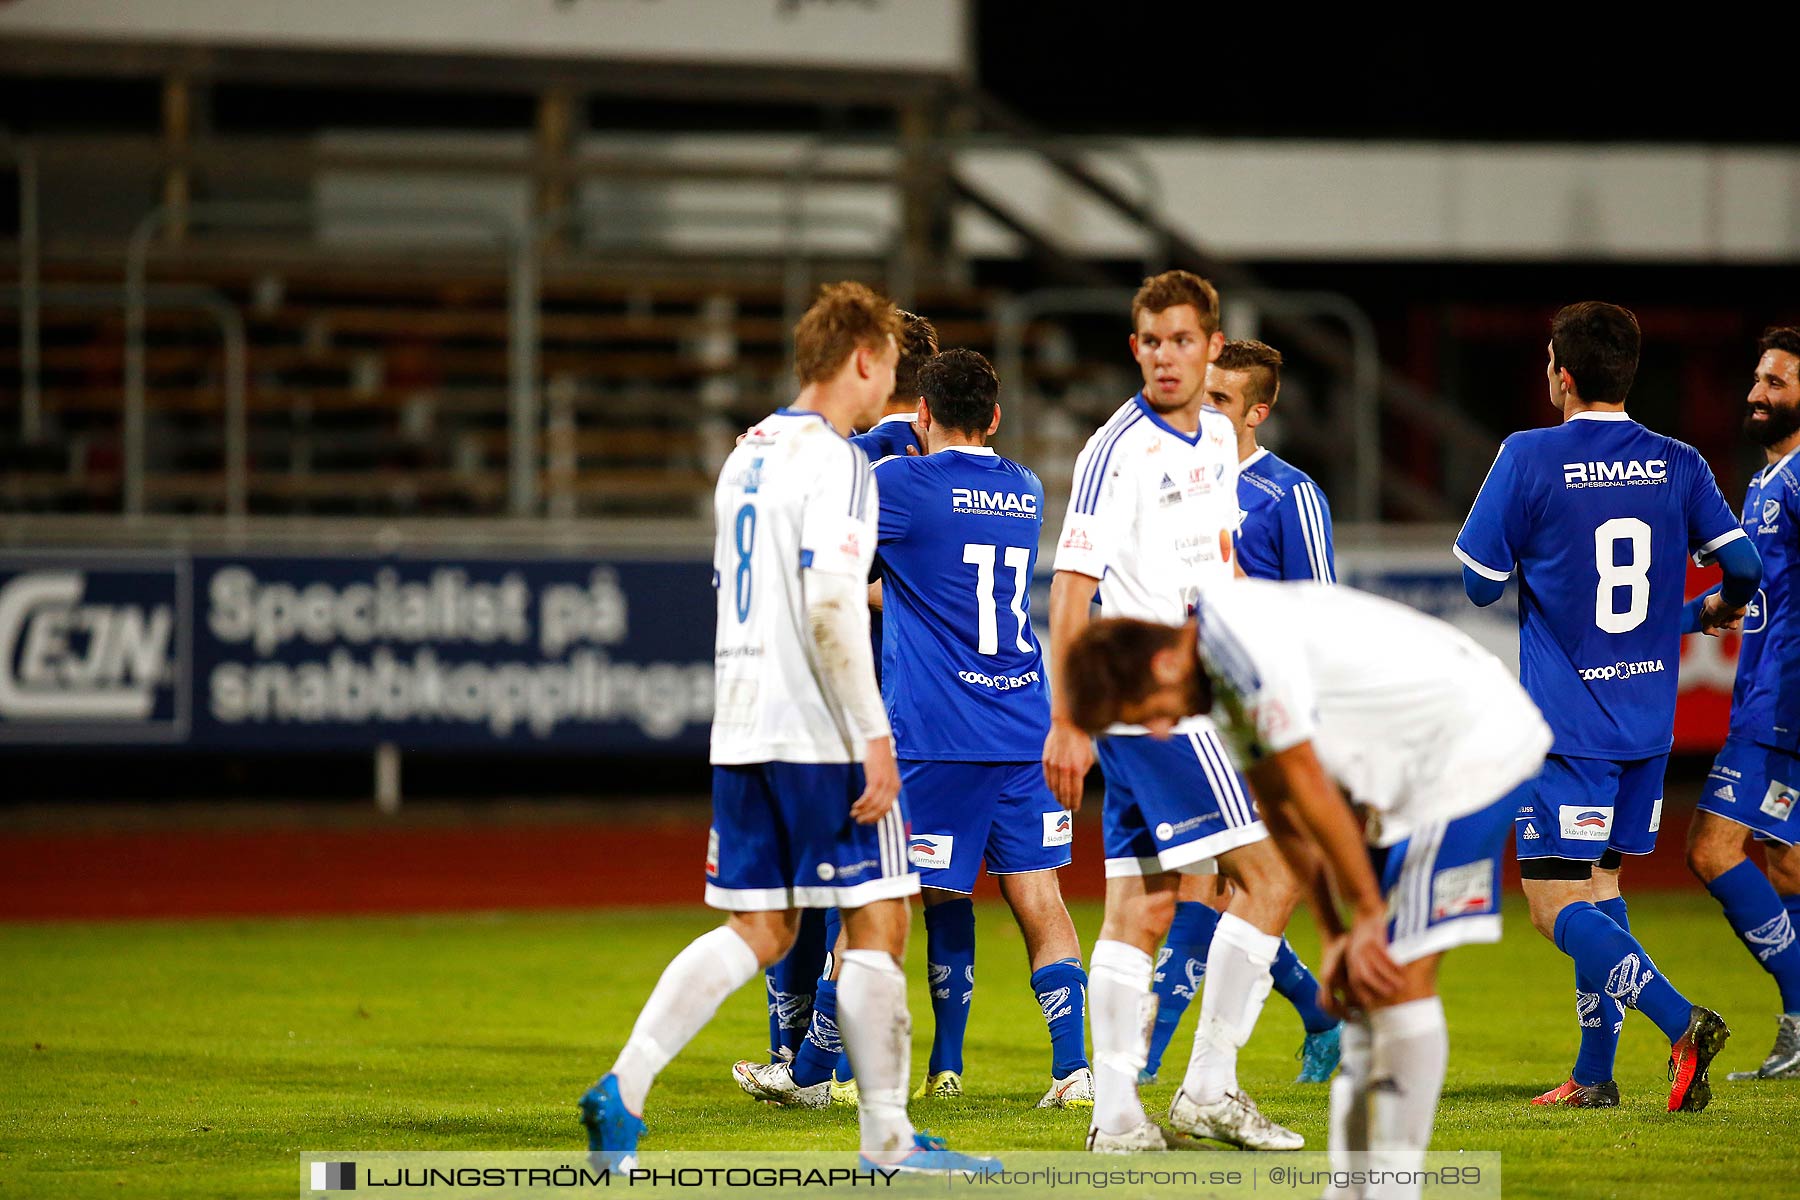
[{"x": 93, "y": 651}]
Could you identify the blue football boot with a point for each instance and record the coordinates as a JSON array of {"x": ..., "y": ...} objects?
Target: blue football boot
[
  {"x": 1319, "y": 1055},
  {"x": 933, "y": 1156},
  {"x": 613, "y": 1131}
]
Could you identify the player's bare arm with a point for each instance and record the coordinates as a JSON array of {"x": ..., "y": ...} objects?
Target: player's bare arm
[
  {"x": 1068, "y": 752},
  {"x": 1295, "y": 782}
]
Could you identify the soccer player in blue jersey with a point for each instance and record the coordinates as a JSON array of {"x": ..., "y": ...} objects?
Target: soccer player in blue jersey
[
  {"x": 963, "y": 681},
  {"x": 794, "y": 982},
  {"x": 1755, "y": 781},
  {"x": 1285, "y": 534},
  {"x": 1597, "y": 516}
]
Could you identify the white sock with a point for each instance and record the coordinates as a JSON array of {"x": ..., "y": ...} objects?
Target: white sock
[
  {"x": 877, "y": 1033},
  {"x": 1237, "y": 984},
  {"x": 692, "y": 987},
  {"x": 1121, "y": 1009},
  {"x": 1409, "y": 1051},
  {"x": 1349, "y": 1107}
]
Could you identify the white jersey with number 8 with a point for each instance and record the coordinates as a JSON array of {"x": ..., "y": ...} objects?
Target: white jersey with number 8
[{"x": 794, "y": 496}]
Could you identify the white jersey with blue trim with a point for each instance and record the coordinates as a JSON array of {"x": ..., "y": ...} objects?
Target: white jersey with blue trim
[
  {"x": 1414, "y": 720},
  {"x": 1151, "y": 515},
  {"x": 794, "y": 496}
]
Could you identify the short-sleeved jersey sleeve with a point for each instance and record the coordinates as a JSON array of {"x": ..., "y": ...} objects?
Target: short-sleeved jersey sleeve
[
  {"x": 1306, "y": 534},
  {"x": 1710, "y": 523},
  {"x": 839, "y": 527},
  {"x": 1491, "y": 538},
  {"x": 896, "y": 514},
  {"x": 1099, "y": 514},
  {"x": 1261, "y": 686}
]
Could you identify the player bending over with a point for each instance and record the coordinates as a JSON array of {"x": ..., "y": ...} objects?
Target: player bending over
[
  {"x": 806, "y": 809},
  {"x": 1150, "y": 524},
  {"x": 806, "y": 976},
  {"x": 1755, "y": 781},
  {"x": 1286, "y": 534},
  {"x": 1325, "y": 688},
  {"x": 1597, "y": 515}
]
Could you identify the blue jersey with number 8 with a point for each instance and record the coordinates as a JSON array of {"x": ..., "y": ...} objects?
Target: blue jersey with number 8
[
  {"x": 962, "y": 673},
  {"x": 1598, "y": 516}
]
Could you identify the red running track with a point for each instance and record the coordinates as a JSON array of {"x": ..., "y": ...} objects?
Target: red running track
[{"x": 287, "y": 872}]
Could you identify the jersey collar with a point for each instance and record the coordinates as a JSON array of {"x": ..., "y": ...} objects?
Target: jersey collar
[
  {"x": 1192, "y": 439},
  {"x": 909, "y": 418},
  {"x": 988, "y": 451},
  {"x": 1262, "y": 452},
  {"x": 1768, "y": 472},
  {"x": 1592, "y": 415}
]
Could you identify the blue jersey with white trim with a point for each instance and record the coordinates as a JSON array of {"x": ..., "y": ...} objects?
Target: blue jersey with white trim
[
  {"x": 1286, "y": 526},
  {"x": 1598, "y": 516},
  {"x": 891, "y": 435},
  {"x": 962, "y": 672},
  {"x": 1765, "y": 700}
]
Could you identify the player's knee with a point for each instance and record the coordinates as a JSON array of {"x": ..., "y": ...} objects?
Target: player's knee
[
  {"x": 1714, "y": 847},
  {"x": 1784, "y": 869}
]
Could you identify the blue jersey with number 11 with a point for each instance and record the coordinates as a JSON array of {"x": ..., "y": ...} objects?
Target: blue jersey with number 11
[
  {"x": 1599, "y": 515},
  {"x": 961, "y": 670}
]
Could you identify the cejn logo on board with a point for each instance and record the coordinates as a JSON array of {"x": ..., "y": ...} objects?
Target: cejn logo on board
[{"x": 91, "y": 650}]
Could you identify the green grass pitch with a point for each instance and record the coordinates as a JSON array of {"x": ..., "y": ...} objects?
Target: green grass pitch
[{"x": 198, "y": 1058}]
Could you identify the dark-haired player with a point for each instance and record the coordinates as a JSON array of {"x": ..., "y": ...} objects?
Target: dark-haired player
[
  {"x": 963, "y": 680},
  {"x": 1597, "y": 516},
  {"x": 1286, "y": 534},
  {"x": 1327, "y": 688},
  {"x": 1755, "y": 781}
]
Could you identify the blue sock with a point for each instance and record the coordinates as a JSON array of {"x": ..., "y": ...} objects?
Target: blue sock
[
  {"x": 1301, "y": 990},
  {"x": 950, "y": 957},
  {"x": 791, "y": 984},
  {"x": 822, "y": 1047},
  {"x": 1603, "y": 951},
  {"x": 1763, "y": 925},
  {"x": 1600, "y": 1017},
  {"x": 834, "y": 924},
  {"x": 1179, "y": 969},
  {"x": 1061, "y": 991}
]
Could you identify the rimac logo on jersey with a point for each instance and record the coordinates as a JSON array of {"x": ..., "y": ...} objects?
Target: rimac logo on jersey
[
  {"x": 1607, "y": 474},
  {"x": 82, "y": 649},
  {"x": 993, "y": 504}
]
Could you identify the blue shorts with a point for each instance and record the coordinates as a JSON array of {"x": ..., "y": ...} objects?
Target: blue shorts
[
  {"x": 1172, "y": 805},
  {"x": 1757, "y": 786},
  {"x": 1580, "y": 808},
  {"x": 782, "y": 838},
  {"x": 963, "y": 813},
  {"x": 1442, "y": 883}
]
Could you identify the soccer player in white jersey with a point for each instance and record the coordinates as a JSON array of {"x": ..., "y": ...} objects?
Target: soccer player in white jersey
[
  {"x": 805, "y": 788},
  {"x": 1321, "y": 688},
  {"x": 1285, "y": 534},
  {"x": 1150, "y": 525}
]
